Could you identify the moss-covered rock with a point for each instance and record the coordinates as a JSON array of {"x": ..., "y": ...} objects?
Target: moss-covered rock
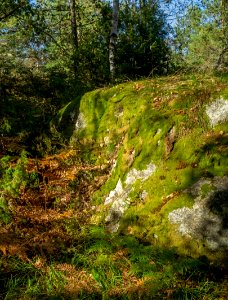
[
  {"x": 207, "y": 220},
  {"x": 163, "y": 122}
]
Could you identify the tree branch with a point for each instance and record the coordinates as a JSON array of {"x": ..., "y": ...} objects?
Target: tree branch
[{"x": 12, "y": 12}]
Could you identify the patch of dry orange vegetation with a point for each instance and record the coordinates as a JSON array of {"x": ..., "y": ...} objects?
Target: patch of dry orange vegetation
[
  {"x": 77, "y": 280},
  {"x": 41, "y": 212}
]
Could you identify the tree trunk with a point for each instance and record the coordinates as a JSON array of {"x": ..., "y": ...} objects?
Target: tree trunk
[
  {"x": 113, "y": 39},
  {"x": 224, "y": 20},
  {"x": 224, "y": 15},
  {"x": 74, "y": 35}
]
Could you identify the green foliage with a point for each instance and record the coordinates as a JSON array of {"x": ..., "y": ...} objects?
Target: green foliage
[
  {"x": 201, "y": 36},
  {"x": 14, "y": 178},
  {"x": 129, "y": 123},
  {"x": 115, "y": 263},
  {"x": 5, "y": 127},
  {"x": 5, "y": 215},
  {"x": 141, "y": 50},
  {"x": 24, "y": 280},
  {"x": 108, "y": 258}
]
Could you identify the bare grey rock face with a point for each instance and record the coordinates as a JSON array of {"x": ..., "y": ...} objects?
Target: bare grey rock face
[
  {"x": 118, "y": 198},
  {"x": 80, "y": 123},
  {"x": 143, "y": 175},
  {"x": 207, "y": 220},
  {"x": 116, "y": 213},
  {"x": 117, "y": 192},
  {"x": 217, "y": 111}
]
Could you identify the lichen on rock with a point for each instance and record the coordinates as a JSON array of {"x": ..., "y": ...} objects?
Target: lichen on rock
[
  {"x": 80, "y": 123},
  {"x": 118, "y": 198},
  {"x": 217, "y": 111},
  {"x": 117, "y": 192},
  {"x": 143, "y": 175},
  {"x": 207, "y": 219},
  {"x": 116, "y": 212}
]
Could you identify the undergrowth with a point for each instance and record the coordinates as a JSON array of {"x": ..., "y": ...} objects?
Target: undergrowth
[
  {"x": 53, "y": 239},
  {"x": 104, "y": 266}
]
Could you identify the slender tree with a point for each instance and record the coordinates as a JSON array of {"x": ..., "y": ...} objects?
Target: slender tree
[
  {"x": 113, "y": 38},
  {"x": 74, "y": 35}
]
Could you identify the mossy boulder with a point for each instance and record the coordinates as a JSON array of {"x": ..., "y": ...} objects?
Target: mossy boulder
[{"x": 166, "y": 123}]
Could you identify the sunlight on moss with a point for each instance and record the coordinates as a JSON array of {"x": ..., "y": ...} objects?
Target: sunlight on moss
[{"x": 131, "y": 123}]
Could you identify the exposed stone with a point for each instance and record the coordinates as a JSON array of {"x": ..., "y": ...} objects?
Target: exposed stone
[
  {"x": 80, "y": 123},
  {"x": 114, "y": 164},
  {"x": 117, "y": 192},
  {"x": 119, "y": 113},
  {"x": 143, "y": 175},
  {"x": 106, "y": 140},
  {"x": 217, "y": 111},
  {"x": 120, "y": 202},
  {"x": 131, "y": 158},
  {"x": 208, "y": 218},
  {"x": 118, "y": 198},
  {"x": 158, "y": 131},
  {"x": 144, "y": 195},
  {"x": 116, "y": 213}
]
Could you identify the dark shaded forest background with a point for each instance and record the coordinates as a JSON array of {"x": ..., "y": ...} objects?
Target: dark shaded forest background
[{"x": 52, "y": 51}]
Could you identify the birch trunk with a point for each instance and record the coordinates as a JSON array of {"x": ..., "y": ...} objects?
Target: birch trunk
[
  {"x": 113, "y": 39},
  {"x": 74, "y": 35}
]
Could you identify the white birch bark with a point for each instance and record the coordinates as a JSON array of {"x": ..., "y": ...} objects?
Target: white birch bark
[
  {"x": 74, "y": 34},
  {"x": 113, "y": 38}
]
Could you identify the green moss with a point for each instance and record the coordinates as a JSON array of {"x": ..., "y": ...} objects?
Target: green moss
[
  {"x": 206, "y": 189},
  {"x": 130, "y": 123},
  {"x": 224, "y": 93}
]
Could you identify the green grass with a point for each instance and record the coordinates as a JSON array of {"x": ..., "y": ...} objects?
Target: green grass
[{"x": 114, "y": 267}]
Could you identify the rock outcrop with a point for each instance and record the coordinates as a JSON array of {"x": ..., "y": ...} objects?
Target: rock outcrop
[
  {"x": 207, "y": 220},
  {"x": 171, "y": 129},
  {"x": 118, "y": 198},
  {"x": 217, "y": 111}
]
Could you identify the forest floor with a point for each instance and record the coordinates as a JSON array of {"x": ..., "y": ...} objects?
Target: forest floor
[
  {"x": 39, "y": 211},
  {"x": 54, "y": 243},
  {"x": 51, "y": 251}
]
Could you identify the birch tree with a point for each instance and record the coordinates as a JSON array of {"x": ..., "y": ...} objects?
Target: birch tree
[
  {"x": 74, "y": 35},
  {"x": 113, "y": 38}
]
